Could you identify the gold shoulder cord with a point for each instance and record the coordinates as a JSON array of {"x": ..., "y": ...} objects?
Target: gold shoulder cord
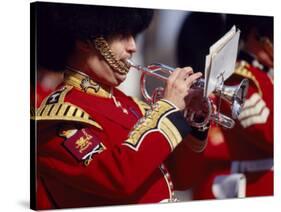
[
  {"x": 104, "y": 49},
  {"x": 242, "y": 70}
]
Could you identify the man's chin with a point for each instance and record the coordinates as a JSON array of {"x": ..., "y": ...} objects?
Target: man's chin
[
  {"x": 121, "y": 78},
  {"x": 117, "y": 83}
]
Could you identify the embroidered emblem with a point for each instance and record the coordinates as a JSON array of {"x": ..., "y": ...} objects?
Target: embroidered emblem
[
  {"x": 54, "y": 98},
  {"x": 89, "y": 157},
  {"x": 67, "y": 133},
  {"x": 154, "y": 120},
  {"x": 87, "y": 83},
  {"x": 83, "y": 144}
]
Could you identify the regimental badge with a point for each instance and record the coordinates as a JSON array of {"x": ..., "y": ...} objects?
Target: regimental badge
[
  {"x": 86, "y": 83},
  {"x": 83, "y": 144},
  {"x": 54, "y": 97}
]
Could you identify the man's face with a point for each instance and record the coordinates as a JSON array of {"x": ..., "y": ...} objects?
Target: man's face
[
  {"x": 266, "y": 55},
  {"x": 262, "y": 48},
  {"x": 123, "y": 47}
]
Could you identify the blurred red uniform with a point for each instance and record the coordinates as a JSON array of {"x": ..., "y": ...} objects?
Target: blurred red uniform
[{"x": 239, "y": 162}]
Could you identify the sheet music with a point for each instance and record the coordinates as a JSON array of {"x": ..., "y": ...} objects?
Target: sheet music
[{"x": 221, "y": 60}]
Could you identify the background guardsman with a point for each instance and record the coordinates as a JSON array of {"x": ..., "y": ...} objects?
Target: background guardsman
[
  {"x": 236, "y": 162},
  {"x": 246, "y": 168}
]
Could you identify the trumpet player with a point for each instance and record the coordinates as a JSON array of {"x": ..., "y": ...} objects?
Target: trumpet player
[{"x": 96, "y": 146}]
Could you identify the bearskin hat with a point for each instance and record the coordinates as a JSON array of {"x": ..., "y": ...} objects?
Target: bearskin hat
[
  {"x": 58, "y": 25},
  {"x": 198, "y": 32},
  {"x": 262, "y": 24}
]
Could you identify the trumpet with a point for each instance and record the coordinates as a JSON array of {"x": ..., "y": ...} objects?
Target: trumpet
[{"x": 233, "y": 95}]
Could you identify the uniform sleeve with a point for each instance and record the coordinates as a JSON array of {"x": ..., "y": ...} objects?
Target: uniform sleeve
[
  {"x": 255, "y": 123},
  {"x": 119, "y": 171}
]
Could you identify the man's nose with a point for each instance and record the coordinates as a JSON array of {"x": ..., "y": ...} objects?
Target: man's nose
[{"x": 131, "y": 46}]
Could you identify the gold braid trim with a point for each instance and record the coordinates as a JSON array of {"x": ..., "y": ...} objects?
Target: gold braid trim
[
  {"x": 242, "y": 69},
  {"x": 104, "y": 49},
  {"x": 54, "y": 108},
  {"x": 171, "y": 132},
  {"x": 153, "y": 121},
  {"x": 142, "y": 106},
  {"x": 65, "y": 112},
  {"x": 83, "y": 82}
]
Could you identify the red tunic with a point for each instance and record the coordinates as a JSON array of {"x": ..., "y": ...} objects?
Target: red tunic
[{"x": 96, "y": 149}]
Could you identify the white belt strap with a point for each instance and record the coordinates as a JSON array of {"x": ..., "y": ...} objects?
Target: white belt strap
[
  {"x": 180, "y": 196},
  {"x": 229, "y": 186},
  {"x": 183, "y": 195},
  {"x": 251, "y": 165}
]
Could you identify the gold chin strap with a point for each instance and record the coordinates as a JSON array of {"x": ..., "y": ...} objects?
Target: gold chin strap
[{"x": 104, "y": 49}]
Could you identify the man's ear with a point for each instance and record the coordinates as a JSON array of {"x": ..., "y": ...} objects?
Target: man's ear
[
  {"x": 85, "y": 46},
  {"x": 267, "y": 45}
]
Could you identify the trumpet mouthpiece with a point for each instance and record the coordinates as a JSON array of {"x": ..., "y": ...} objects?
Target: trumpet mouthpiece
[{"x": 130, "y": 63}]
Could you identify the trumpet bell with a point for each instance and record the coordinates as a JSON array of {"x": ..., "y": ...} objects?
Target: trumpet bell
[{"x": 235, "y": 96}]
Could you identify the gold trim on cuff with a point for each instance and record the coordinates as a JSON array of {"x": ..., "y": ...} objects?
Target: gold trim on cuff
[{"x": 155, "y": 120}]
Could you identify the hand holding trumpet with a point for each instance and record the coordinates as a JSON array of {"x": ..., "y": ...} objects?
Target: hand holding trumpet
[{"x": 178, "y": 86}]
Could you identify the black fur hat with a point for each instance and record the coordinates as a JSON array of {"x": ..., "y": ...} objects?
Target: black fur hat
[
  {"x": 59, "y": 25},
  {"x": 262, "y": 24},
  {"x": 198, "y": 32},
  {"x": 88, "y": 21}
]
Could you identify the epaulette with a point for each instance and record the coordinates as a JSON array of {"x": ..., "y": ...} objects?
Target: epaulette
[
  {"x": 54, "y": 108},
  {"x": 242, "y": 69},
  {"x": 142, "y": 105}
]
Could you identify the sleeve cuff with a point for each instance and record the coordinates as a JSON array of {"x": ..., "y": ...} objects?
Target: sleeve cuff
[
  {"x": 163, "y": 117},
  {"x": 173, "y": 125},
  {"x": 199, "y": 134},
  {"x": 198, "y": 141},
  {"x": 180, "y": 123}
]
